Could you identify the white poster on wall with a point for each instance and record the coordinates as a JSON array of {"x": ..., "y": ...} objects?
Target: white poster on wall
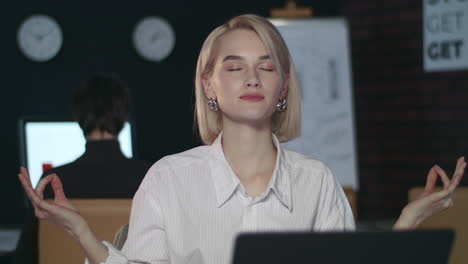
[
  {"x": 320, "y": 51},
  {"x": 445, "y": 35}
]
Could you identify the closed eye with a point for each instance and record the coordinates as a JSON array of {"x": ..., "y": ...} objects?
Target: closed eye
[
  {"x": 234, "y": 69},
  {"x": 267, "y": 69}
]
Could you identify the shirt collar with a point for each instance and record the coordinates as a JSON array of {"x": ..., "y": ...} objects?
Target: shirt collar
[
  {"x": 280, "y": 181},
  {"x": 226, "y": 182},
  {"x": 103, "y": 149}
]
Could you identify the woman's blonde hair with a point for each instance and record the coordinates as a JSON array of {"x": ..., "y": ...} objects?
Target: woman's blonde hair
[{"x": 286, "y": 124}]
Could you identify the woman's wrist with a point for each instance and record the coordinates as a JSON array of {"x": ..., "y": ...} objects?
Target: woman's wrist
[
  {"x": 95, "y": 251},
  {"x": 80, "y": 230},
  {"x": 84, "y": 234},
  {"x": 407, "y": 220}
]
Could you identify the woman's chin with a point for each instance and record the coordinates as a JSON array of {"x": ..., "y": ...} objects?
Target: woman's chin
[{"x": 251, "y": 118}]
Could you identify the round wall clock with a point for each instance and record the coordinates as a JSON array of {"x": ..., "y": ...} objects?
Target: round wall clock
[
  {"x": 153, "y": 38},
  {"x": 40, "y": 38}
]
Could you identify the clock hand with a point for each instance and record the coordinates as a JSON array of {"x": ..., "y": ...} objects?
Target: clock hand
[
  {"x": 40, "y": 37},
  {"x": 154, "y": 37},
  {"x": 48, "y": 33}
]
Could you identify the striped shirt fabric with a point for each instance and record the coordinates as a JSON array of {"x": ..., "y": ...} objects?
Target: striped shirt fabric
[{"x": 191, "y": 206}]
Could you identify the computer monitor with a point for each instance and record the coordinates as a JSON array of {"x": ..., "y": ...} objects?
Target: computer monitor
[{"x": 49, "y": 142}]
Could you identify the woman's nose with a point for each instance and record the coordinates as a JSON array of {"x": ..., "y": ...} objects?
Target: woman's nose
[{"x": 252, "y": 80}]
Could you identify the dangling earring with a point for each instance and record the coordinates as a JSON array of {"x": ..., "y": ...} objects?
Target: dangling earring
[
  {"x": 213, "y": 104},
  {"x": 281, "y": 105}
]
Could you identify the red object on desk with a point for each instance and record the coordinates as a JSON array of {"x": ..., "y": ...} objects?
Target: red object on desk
[{"x": 46, "y": 166}]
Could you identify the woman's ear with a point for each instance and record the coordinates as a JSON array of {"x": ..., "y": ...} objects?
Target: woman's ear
[{"x": 207, "y": 87}]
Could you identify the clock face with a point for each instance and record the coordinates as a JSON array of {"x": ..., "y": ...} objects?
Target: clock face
[
  {"x": 153, "y": 38},
  {"x": 40, "y": 38}
]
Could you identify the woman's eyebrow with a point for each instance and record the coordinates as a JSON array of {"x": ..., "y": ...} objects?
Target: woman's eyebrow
[
  {"x": 232, "y": 57},
  {"x": 235, "y": 57}
]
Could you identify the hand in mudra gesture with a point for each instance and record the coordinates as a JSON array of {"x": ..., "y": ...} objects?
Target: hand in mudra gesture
[
  {"x": 431, "y": 202},
  {"x": 59, "y": 211}
]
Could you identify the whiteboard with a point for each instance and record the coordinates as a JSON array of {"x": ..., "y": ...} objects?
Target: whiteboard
[{"x": 321, "y": 54}]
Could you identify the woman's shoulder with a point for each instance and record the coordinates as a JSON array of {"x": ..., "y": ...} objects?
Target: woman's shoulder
[
  {"x": 171, "y": 164},
  {"x": 298, "y": 160},
  {"x": 309, "y": 169},
  {"x": 183, "y": 159}
]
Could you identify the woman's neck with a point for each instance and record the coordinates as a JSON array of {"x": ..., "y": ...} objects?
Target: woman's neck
[{"x": 251, "y": 154}]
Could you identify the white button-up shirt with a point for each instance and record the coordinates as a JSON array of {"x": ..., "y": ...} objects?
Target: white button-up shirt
[{"x": 191, "y": 206}]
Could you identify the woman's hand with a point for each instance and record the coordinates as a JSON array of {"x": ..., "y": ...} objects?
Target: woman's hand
[
  {"x": 431, "y": 202},
  {"x": 60, "y": 211}
]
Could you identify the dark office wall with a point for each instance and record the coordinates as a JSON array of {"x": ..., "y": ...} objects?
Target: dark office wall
[
  {"x": 97, "y": 37},
  {"x": 407, "y": 120}
]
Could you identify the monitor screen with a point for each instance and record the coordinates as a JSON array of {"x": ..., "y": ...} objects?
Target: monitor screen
[{"x": 48, "y": 144}]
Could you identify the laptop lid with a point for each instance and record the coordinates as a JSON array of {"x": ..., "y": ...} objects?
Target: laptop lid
[{"x": 417, "y": 246}]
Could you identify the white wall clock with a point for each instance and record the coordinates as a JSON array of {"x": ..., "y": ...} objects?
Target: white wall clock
[
  {"x": 40, "y": 38},
  {"x": 153, "y": 38}
]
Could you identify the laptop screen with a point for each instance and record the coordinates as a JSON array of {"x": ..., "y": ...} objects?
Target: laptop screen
[
  {"x": 45, "y": 144},
  {"x": 402, "y": 247}
]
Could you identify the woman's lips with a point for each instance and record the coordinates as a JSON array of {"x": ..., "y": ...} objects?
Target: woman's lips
[{"x": 252, "y": 97}]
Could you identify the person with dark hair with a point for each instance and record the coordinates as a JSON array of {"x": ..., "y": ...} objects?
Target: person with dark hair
[{"x": 100, "y": 106}]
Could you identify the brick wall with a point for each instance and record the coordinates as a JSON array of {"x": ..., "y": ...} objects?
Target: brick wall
[{"x": 407, "y": 120}]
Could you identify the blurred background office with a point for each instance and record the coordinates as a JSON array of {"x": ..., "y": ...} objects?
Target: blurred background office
[{"x": 406, "y": 117}]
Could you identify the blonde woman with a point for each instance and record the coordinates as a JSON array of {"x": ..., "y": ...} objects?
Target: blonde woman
[{"x": 191, "y": 205}]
